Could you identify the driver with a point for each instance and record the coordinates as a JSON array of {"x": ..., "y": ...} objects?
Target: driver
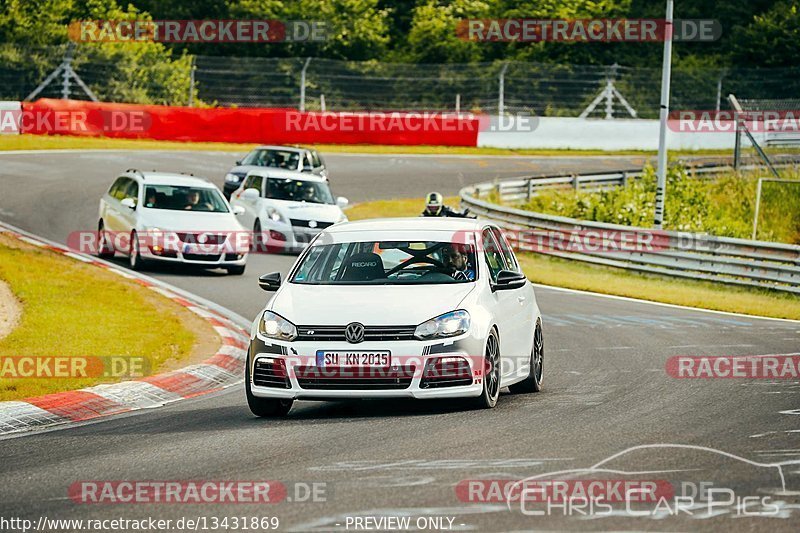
[
  {"x": 193, "y": 202},
  {"x": 456, "y": 262}
]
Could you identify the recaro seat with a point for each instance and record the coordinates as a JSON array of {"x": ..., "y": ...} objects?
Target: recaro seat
[{"x": 365, "y": 266}]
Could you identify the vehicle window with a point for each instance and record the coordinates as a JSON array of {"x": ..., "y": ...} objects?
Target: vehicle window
[
  {"x": 253, "y": 182},
  {"x": 184, "y": 198},
  {"x": 494, "y": 258},
  {"x": 316, "y": 161},
  {"x": 299, "y": 191},
  {"x": 132, "y": 191},
  {"x": 288, "y": 159},
  {"x": 308, "y": 161},
  {"x": 505, "y": 249},
  {"x": 118, "y": 188},
  {"x": 387, "y": 263}
]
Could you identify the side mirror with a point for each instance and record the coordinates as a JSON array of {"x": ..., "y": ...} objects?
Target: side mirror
[
  {"x": 238, "y": 210},
  {"x": 342, "y": 202},
  {"x": 508, "y": 279},
  {"x": 270, "y": 282},
  {"x": 130, "y": 203},
  {"x": 238, "y": 162},
  {"x": 251, "y": 194}
]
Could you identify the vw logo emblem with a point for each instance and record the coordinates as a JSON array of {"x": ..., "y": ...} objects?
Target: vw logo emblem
[
  {"x": 354, "y": 332},
  {"x": 312, "y": 223},
  {"x": 202, "y": 238}
]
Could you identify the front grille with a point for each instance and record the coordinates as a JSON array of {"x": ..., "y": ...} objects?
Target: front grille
[
  {"x": 202, "y": 257},
  {"x": 209, "y": 238},
  {"x": 271, "y": 373},
  {"x": 371, "y": 333},
  {"x": 446, "y": 372},
  {"x": 395, "y": 378},
  {"x": 304, "y": 224}
]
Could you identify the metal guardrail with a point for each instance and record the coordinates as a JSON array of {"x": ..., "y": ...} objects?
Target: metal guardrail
[{"x": 678, "y": 254}]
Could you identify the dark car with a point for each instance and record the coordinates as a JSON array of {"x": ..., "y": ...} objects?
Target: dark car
[{"x": 293, "y": 158}]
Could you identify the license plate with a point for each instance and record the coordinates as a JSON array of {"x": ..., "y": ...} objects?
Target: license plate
[
  {"x": 199, "y": 249},
  {"x": 348, "y": 359}
]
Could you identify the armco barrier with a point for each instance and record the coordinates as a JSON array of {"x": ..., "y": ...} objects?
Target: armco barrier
[
  {"x": 245, "y": 125},
  {"x": 679, "y": 254}
]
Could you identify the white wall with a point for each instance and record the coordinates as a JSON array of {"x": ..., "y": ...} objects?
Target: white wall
[
  {"x": 9, "y": 117},
  {"x": 596, "y": 134}
]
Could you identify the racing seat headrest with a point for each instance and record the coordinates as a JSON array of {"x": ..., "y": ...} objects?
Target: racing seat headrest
[{"x": 365, "y": 266}]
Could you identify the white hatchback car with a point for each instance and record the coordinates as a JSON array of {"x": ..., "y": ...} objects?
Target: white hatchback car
[
  {"x": 171, "y": 217},
  {"x": 407, "y": 307},
  {"x": 286, "y": 209}
]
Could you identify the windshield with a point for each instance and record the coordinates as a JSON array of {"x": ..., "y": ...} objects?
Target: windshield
[
  {"x": 299, "y": 191},
  {"x": 288, "y": 159},
  {"x": 387, "y": 263},
  {"x": 184, "y": 198}
]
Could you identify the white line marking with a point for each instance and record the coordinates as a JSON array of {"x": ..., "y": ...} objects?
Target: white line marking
[{"x": 661, "y": 304}]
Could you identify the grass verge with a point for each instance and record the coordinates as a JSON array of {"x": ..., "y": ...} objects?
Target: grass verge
[
  {"x": 66, "y": 142},
  {"x": 619, "y": 282},
  {"x": 73, "y": 309}
]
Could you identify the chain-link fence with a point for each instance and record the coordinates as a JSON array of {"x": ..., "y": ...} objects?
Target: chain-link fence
[{"x": 322, "y": 84}]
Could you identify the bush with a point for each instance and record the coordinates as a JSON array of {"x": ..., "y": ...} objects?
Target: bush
[{"x": 722, "y": 206}]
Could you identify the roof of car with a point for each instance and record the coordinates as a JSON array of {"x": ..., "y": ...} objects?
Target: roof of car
[
  {"x": 169, "y": 178},
  {"x": 410, "y": 224},
  {"x": 272, "y": 172},
  {"x": 278, "y": 147}
]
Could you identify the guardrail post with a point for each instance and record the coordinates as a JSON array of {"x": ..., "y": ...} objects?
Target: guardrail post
[
  {"x": 575, "y": 182},
  {"x": 529, "y": 195},
  {"x": 624, "y": 179}
]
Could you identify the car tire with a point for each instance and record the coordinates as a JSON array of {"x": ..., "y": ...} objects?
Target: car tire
[
  {"x": 236, "y": 270},
  {"x": 135, "y": 261},
  {"x": 533, "y": 383},
  {"x": 491, "y": 375},
  {"x": 105, "y": 250},
  {"x": 265, "y": 407},
  {"x": 258, "y": 238}
]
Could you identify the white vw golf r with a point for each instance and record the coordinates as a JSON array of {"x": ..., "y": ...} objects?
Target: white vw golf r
[{"x": 410, "y": 307}]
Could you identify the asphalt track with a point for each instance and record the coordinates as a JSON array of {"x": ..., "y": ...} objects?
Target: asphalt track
[{"x": 606, "y": 391}]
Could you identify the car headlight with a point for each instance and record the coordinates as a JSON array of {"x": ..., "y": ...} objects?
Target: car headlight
[
  {"x": 275, "y": 215},
  {"x": 232, "y": 178},
  {"x": 274, "y": 326},
  {"x": 443, "y": 326}
]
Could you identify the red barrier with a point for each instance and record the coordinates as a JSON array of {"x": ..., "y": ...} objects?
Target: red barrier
[{"x": 250, "y": 125}]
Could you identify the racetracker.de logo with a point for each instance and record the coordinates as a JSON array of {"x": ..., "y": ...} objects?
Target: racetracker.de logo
[
  {"x": 588, "y": 30},
  {"x": 711, "y": 121},
  {"x": 784, "y": 366},
  {"x": 198, "y": 31},
  {"x": 48, "y": 122},
  {"x": 177, "y": 492}
]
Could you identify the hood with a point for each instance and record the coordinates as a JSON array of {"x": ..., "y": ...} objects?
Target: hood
[
  {"x": 372, "y": 305},
  {"x": 190, "y": 221},
  {"x": 308, "y": 211}
]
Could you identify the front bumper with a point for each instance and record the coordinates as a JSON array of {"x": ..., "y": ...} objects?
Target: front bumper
[
  {"x": 211, "y": 260},
  {"x": 285, "y": 237},
  {"x": 294, "y": 366}
]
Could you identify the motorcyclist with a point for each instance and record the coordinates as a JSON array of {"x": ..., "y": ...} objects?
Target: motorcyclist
[{"x": 434, "y": 207}]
